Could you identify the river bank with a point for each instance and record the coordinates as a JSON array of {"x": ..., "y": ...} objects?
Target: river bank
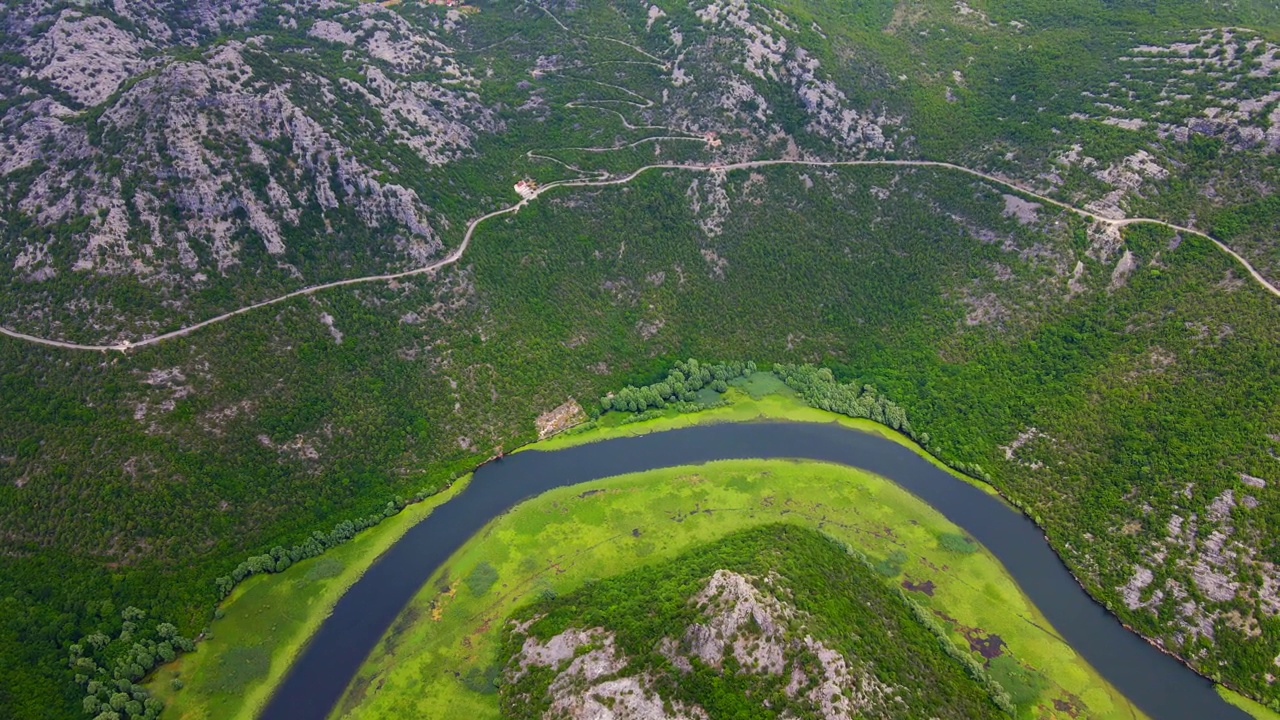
[{"x": 267, "y": 620}]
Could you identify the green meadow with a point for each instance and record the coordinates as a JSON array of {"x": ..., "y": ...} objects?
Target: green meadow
[
  {"x": 440, "y": 658},
  {"x": 1254, "y": 708},
  {"x": 262, "y": 626}
]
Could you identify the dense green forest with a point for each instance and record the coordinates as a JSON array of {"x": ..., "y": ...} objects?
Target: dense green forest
[
  {"x": 1120, "y": 389},
  {"x": 814, "y": 590}
]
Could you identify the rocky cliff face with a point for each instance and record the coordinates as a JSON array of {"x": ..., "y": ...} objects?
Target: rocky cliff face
[
  {"x": 134, "y": 145},
  {"x": 745, "y": 625}
]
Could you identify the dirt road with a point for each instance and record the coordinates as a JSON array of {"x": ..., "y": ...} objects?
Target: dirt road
[{"x": 457, "y": 253}]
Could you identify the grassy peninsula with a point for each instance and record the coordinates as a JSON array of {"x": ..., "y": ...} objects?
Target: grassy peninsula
[{"x": 442, "y": 655}]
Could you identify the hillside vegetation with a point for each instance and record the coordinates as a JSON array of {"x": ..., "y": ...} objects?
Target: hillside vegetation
[
  {"x": 1121, "y": 388},
  {"x": 164, "y": 164},
  {"x": 766, "y": 622}
]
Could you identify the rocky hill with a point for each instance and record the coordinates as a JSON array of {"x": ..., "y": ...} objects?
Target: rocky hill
[
  {"x": 180, "y": 158},
  {"x": 161, "y": 162},
  {"x": 724, "y": 643},
  {"x": 747, "y": 627}
]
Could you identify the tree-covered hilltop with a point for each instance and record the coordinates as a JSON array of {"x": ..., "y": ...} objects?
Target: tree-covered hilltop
[{"x": 771, "y": 621}]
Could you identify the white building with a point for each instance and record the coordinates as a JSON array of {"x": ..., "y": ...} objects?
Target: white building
[{"x": 527, "y": 189}]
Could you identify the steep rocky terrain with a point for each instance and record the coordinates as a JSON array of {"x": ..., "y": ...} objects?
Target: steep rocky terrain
[
  {"x": 182, "y": 156},
  {"x": 760, "y": 633},
  {"x": 161, "y": 163}
]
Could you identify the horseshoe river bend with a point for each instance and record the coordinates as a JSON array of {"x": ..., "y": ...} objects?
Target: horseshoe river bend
[{"x": 1158, "y": 684}]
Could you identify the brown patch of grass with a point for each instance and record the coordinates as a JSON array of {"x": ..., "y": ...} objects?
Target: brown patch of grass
[
  {"x": 988, "y": 645},
  {"x": 927, "y": 587},
  {"x": 437, "y": 605}
]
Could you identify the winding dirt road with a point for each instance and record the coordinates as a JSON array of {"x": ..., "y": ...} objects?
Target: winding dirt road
[{"x": 457, "y": 253}]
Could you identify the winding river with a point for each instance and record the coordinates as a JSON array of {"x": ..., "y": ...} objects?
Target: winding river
[{"x": 1158, "y": 684}]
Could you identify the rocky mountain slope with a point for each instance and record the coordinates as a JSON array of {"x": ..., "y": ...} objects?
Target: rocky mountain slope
[
  {"x": 748, "y": 627},
  {"x": 161, "y": 163},
  {"x": 170, "y": 154}
]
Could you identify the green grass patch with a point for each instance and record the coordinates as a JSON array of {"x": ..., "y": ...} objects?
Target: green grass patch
[
  {"x": 449, "y": 637},
  {"x": 1254, "y": 708},
  {"x": 760, "y": 384},
  {"x": 267, "y": 620}
]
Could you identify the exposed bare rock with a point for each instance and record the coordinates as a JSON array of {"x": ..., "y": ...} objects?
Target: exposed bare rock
[
  {"x": 709, "y": 202},
  {"x": 327, "y": 320},
  {"x": 655, "y": 13},
  {"x": 1125, "y": 177},
  {"x": 715, "y": 263},
  {"x": 830, "y": 113},
  {"x": 762, "y": 49},
  {"x": 1023, "y": 210},
  {"x": 628, "y": 698},
  {"x": 1227, "y": 63},
  {"x": 669, "y": 648},
  {"x": 1120, "y": 275},
  {"x": 566, "y": 415},
  {"x": 299, "y": 448},
  {"x": 1074, "y": 285},
  {"x": 88, "y": 57},
  {"x": 1132, "y": 591},
  {"x": 422, "y": 115},
  {"x": 842, "y": 691},
  {"x": 744, "y": 618},
  {"x": 1220, "y": 509},
  {"x": 586, "y": 686},
  {"x": 649, "y": 328},
  {"x": 731, "y": 603},
  {"x": 741, "y": 618},
  {"x": 333, "y": 32},
  {"x": 1016, "y": 444},
  {"x": 195, "y": 157},
  {"x": 1252, "y": 481},
  {"x": 748, "y": 43},
  {"x": 166, "y": 386},
  {"x": 556, "y": 650},
  {"x": 1104, "y": 239}
]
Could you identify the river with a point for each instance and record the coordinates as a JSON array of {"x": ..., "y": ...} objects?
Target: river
[{"x": 1158, "y": 684}]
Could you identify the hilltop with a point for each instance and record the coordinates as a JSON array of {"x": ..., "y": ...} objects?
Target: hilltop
[{"x": 771, "y": 622}]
